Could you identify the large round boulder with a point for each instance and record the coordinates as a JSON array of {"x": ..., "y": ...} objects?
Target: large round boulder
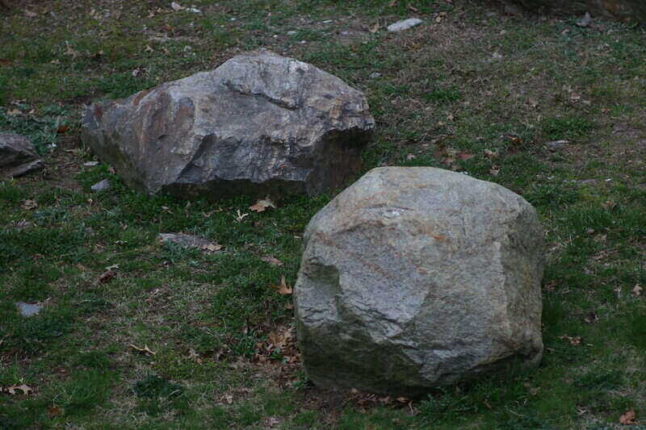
[
  {"x": 415, "y": 277},
  {"x": 258, "y": 124}
]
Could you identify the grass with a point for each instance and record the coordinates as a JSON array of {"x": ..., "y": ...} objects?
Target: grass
[{"x": 469, "y": 80}]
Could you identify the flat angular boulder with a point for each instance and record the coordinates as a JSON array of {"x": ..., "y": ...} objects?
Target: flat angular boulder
[
  {"x": 416, "y": 277},
  {"x": 17, "y": 156},
  {"x": 258, "y": 124}
]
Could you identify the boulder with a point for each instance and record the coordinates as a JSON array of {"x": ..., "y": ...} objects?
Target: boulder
[
  {"x": 416, "y": 277},
  {"x": 624, "y": 10},
  {"x": 258, "y": 124},
  {"x": 17, "y": 156}
]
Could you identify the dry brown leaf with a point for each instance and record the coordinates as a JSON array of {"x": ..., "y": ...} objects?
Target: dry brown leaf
[
  {"x": 637, "y": 290},
  {"x": 494, "y": 171},
  {"x": 574, "y": 340},
  {"x": 212, "y": 247},
  {"x": 71, "y": 51},
  {"x": 107, "y": 276},
  {"x": 272, "y": 260},
  {"x": 30, "y": 14},
  {"x": 54, "y": 411},
  {"x": 29, "y": 205},
  {"x": 465, "y": 155},
  {"x": 283, "y": 289},
  {"x": 145, "y": 350},
  {"x": 240, "y": 216},
  {"x": 23, "y": 388},
  {"x": 374, "y": 28},
  {"x": 14, "y": 112},
  {"x": 490, "y": 154},
  {"x": 262, "y": 205},
  {"x": 629, "y": 418}
]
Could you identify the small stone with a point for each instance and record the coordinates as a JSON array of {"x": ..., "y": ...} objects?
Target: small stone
[
  {"x": 29, "y": 309},
  {"x": 90, "y": 164},
  {"x": 103, "y": 185},
  {"x": 375, "y": 75},
  {"x": 585, "y": 21},
  {"x": 556, "y": 145},
  {"x": 404, "y": 24},
  {"x": 190, "y": 241},
  {"x": 291, "y": 32}
]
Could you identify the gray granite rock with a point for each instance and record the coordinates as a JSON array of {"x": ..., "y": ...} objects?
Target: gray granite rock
[
  {"x": 17, "y": 156},
  {"x": 416, "y": 277},
  {"x": 404, "y": 25},
  {"x": 259, "y": 124}
]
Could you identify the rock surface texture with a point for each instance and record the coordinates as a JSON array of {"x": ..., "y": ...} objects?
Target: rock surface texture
[
  {"x": 258, "y": 124},
  {"x": 625, "y": 10},
  {"x": 17, "y": 156},
  {"x": 416, "y": 277}
]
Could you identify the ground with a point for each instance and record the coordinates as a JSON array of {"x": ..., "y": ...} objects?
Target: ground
[{"x": 136, "y": 334}]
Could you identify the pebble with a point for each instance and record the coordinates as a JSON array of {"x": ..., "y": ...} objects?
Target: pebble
[
  {"x": 555, "y": 145},
  {"x": 28, "y": 309},
  {"x": 404, "y": 24},
  {"x": 101, "y": 186}
]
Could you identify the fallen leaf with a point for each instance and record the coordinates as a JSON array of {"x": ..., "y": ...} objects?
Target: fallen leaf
[
  {"x": 283, "y": 289},
  {"x": 240, "y": 216},
  {"x": 30, "y": 14},
  {"x": 14, "y": 390},
  {"x": 591, "y": 318},
  {"x": 271, "y": 422},
  {"x": 490, "y": 154},
  {"x": 628, "y": 418},
  {"x": 145, "y": 350},
  {"x": 374, "y": 28},
  {"x": 272, "y": 260},
  {"x": 14, "y": 112},
  {"x": 5, "y": 62},
  {"x": 54, "y": 411},
  {"x": 107, "y": 276},
  {"x": 176, "y": 6},
  {"x": 574, "y": 340},
  {"x": 637, "y": 290},
  {"x": 29, "y": 205},
  {"x": 465, "y": 155},
  {"x": 212, "y": 247},
  {"x": 62, "y": 129},
  {"x": 494, "y": 171},
  {"x": 262, "y": 205},
  {"x": 71, "y": 51}
]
